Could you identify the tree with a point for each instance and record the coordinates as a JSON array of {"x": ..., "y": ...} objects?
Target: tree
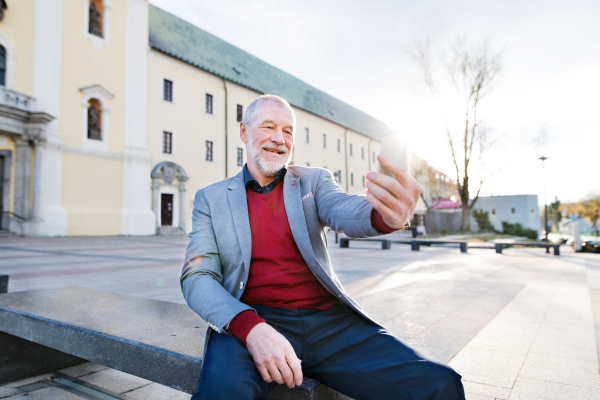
[{"x": 470, "y": 72}]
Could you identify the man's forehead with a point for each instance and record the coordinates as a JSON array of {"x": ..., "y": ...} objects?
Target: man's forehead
[{"x": 273, "y": 107}]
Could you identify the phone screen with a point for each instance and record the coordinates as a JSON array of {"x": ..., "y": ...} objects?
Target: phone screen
[{"x": 395, "y": 146}]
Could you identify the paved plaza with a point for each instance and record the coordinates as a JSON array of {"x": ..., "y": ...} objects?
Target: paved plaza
[{"x": 522, "y": 325}]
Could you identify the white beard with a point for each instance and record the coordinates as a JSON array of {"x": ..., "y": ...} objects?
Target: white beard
[{"x": 269, "y": 167}]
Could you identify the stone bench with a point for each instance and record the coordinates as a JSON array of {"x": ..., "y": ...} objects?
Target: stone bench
[
  {"x": 386, "y": 244},
  {"x": 416, "y": 244},
  {"x": 50, "y": 329},
  {"x": 500, "y": 246}
]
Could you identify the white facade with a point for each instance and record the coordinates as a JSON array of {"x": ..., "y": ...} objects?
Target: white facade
[{"x": 521, "y": 208}]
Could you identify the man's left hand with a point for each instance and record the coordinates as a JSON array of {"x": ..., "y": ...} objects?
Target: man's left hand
[{"x": 394, "y": 199}]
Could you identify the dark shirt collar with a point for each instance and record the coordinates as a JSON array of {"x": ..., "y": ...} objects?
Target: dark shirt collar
[{"x": 253, "y": 184}]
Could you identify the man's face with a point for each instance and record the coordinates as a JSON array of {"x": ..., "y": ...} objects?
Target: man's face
[{"x": 270, "y": 138}]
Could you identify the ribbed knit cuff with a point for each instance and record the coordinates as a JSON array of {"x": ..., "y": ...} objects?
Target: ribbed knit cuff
[
  {"x": 378, "y": 223},
  {"x": 241, "y": 325}
]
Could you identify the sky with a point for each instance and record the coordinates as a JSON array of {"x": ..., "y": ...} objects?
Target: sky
[{"x": 545, "y": 101}]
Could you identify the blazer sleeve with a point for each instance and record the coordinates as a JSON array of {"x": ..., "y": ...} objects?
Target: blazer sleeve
[
  {"x": 201, "y": 277},
  {"x": 343, "y": 212}
]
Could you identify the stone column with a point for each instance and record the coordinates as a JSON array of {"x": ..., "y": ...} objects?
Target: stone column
[
  {"x": 156, "y": 203},
  {"x": 36, "y": 210},
  {"x": 22, "y": 187},
  {"x": 181, "y": 206}
]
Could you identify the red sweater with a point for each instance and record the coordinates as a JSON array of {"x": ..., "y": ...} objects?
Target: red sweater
[{"x": 279, "y": 276}]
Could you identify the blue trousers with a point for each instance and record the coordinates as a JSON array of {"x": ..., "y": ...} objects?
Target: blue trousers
[{"x": 337, "y": 347}]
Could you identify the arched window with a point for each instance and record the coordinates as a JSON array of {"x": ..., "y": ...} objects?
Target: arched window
[
  {"x": 94, "y": 120},
  {"x": 95, "y": 17},
  {"x": 2, "y": 66}
]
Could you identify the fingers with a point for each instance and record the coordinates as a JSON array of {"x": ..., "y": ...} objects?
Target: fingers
[
  {"x": 401, "y": 174},
  {"x": 296, "y": 367}
]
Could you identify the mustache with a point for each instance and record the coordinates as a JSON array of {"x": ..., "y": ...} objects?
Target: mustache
[{"x": 282, "y": 148}]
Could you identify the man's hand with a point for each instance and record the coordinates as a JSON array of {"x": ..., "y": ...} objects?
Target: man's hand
[
  {"x": 274, "y": 356},
  {"x": 394, "y": 199}
]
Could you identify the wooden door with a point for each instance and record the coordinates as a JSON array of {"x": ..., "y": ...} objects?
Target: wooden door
[{"x": 166, "y": 212}]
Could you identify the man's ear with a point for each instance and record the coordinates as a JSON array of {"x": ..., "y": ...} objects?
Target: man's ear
[{"x": 243, "y": 132}]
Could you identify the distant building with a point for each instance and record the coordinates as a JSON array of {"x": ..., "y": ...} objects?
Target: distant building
[
  {"x": 114, "y": 112},
  {"x": 522, "y": 208}
]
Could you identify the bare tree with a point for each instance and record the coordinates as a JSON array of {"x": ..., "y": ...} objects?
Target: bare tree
[{"x": 471, "y": 73}]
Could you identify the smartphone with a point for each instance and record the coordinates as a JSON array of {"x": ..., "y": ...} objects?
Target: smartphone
[{"x": 395, "y": 146}]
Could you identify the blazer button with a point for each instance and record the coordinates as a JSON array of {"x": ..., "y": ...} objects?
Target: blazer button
[{"x": 241, "y": 285}]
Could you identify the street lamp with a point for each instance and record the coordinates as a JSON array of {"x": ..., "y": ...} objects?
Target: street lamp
[{"x": 543, "y": 158}]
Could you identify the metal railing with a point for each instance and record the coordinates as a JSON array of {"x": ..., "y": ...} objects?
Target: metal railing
[{"x": 16, "y": 99}]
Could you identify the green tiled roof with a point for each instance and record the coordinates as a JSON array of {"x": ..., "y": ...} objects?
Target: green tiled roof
[{"x": 179, "y": 39}]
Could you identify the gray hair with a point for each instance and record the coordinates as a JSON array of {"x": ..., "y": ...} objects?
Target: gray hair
[{"x": 252, "y": 109}]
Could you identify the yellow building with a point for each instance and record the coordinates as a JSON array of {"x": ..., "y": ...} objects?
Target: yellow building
[{"x": 113, "y": 113}]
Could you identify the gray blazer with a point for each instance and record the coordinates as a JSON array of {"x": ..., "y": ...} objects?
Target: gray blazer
[{"x": 217, "y": 259}]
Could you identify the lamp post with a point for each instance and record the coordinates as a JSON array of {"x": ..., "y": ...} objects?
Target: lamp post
[{"x": 543, "y": 158}]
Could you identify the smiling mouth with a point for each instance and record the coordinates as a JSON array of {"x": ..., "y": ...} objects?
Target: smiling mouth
[{"x": 274, "y": 151}]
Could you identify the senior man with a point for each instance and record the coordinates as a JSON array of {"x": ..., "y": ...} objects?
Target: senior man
[{"x": 257, "y": 270}]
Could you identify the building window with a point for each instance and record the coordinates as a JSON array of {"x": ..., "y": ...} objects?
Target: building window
[
  {"x": 307, "y": 133},
  {"x": 308, "y": 164},
  {"x": 94, "y": 120},
  {"x": 209, "y": 104},
  {"x": 167, "y": 142},
  {"x": 362, "y": 153},
  {"x": 324, "y": 140},
  {"x": 364, "y": 183},
  {"x": 240, "y": 156},
  {"x": 240, "y": 113},
  {"x": 338, "y": 175},
  {"x": 352, "y": 178},
  {"x": 96, "y": 12},
  {"x": 167, "y": 90},
  {"x": 209, "y": 151},
  {"x": 493, "y": 211},
  {"x": 513, "y": 210},
  {"x": 350, "y": 149},
  {"x": 339, "y": 145},
  {"x": 2, "y": 66}
]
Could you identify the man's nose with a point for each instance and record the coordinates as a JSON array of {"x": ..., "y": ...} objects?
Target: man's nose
[{"x": 277, "y": 136}]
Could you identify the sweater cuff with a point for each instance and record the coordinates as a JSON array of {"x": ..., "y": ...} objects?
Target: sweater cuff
[
  {"x": 241, "y": 325},
  {"x": 378, "y": 223}
]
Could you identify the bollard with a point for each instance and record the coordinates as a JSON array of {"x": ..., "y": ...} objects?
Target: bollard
[
  {"x": 414, "y": 245},
  {"x": 498, "y": 248},
  {"x": 344, "y": 243},
  {"x": 3, "y": 283},
  {"x": 463, "y": 247}
]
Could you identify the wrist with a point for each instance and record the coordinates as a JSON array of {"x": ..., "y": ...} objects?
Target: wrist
[{"x": 241, "y": 325}]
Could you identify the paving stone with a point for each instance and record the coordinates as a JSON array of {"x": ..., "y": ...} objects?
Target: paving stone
[
  {"x": 440, "y": 355},
  {"x": 32, "y": 387},
  {"x": 441, "y": 338},
  {"x": 82, "y": 369},
  {"x": 115, "y": 381},
  {"x": 422, "y": 315},
  {"x": 494, "y": 367},
  {"x": 51, "y": 393},
  {"x": 513, "y": 337},
  {"x": 462, "y": 324},
  {"x": 156, "y": 391},
  {"x": 473, "y": 396},
  {"x": 565, "y": 346},
  {"x": 493, "y": 392},
  {"x": 565, "y": 370},
  {"x": 404, "y": 329},
  {"x": 9, "y": 391},
  {"x": 535, "y": 389}
]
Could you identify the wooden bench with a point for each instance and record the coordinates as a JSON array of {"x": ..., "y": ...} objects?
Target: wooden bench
[
  {"x": 50, "y": 329},
  {"x": 416, "y": 244},
  {"x": 500, "y": 246},
  {"x": 386, "y": 244}
]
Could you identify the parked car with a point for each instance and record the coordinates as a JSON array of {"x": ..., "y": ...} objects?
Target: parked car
[{"x": 591, "y": 245}]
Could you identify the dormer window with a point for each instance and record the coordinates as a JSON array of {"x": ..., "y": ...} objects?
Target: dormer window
[{"x": 95, "y": 17}]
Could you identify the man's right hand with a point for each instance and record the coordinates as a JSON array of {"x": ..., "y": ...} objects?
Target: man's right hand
[{"x": 274, "y": 356}]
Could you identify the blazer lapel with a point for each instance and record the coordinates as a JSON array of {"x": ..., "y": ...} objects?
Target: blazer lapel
[
  {"x": 238, "y": 204},
  {"x": 295, "y": 213}
]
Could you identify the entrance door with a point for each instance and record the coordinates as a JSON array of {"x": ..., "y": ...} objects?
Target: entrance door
[{"x": 166, "y": 213}]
